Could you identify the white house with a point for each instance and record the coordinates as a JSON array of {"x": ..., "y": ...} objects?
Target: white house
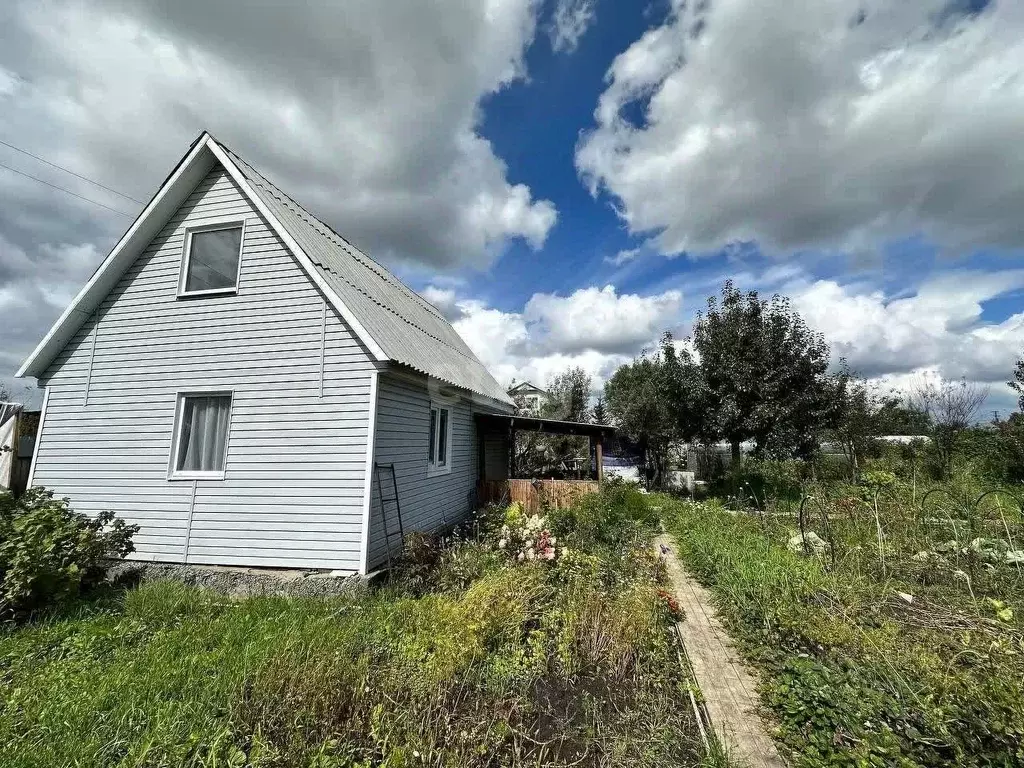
[
  {"x": 531, "y": 396},
  {"x": 236, "y": 378}
]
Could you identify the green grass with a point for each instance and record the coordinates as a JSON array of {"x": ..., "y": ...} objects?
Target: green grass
[
  {"x": 486, "y": 662},
  {"x": 853, "y": 673}
]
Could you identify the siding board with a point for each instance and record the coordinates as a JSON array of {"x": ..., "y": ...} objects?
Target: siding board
[
  {"x": 402, "y": 437},
  {"x": 294, "y": 485}
]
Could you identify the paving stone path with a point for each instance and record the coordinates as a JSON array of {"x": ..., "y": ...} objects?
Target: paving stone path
[{"x": 728, "y": 687}]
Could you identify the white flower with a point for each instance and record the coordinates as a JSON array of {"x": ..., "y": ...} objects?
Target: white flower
[
  {"x": 503, "y": 543},
  {"x": 530, "y": 554},
  {"x": 553, "y": 541},
  {"x": 520, "y": 557}
]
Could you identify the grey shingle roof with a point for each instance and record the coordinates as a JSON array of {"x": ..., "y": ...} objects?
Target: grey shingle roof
[{"x": 408, "y": 328}]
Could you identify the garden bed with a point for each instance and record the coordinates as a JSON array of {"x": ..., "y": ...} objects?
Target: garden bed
[
  {"x": 524, "y": 643},
  {"x": 898, "y": 643}
]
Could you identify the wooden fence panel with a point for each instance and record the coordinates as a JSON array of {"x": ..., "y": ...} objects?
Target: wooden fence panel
[{"x": 535, "y": 495}]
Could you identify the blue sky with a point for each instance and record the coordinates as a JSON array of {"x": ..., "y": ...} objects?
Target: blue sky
[{"x": 565, "y": 178}]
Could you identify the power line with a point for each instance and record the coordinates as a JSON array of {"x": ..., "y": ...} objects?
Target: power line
[
  {"x": 68, "y": 191},
  {"x": 66, "y": 170}
]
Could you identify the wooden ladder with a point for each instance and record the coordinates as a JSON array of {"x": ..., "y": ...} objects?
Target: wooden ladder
[{"x": 385, "y": 501}]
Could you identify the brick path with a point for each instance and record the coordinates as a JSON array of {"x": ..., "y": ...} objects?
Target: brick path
[{"x": 728, "y": 688}]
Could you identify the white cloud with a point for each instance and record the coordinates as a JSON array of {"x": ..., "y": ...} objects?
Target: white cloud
[
  {"x": 623, "y": 257},
  {"x": 569, "y": 22},
  {"x": 445, "y": 299},
  {"x": 828, "y": 124},
  {"x": 598, "y": 319},
  {"x": 596, "y": 329},
  {"x": 939, "y": 328}
]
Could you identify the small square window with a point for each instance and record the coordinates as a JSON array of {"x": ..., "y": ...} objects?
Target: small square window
[
  {"x": 200, "y": 443},
  {"x": 211, "y": 260},
  {"x": 440, "y": 439}
]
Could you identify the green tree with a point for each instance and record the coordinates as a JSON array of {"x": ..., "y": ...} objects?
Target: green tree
[
  {"x": 952, "y": 407},
  {"x": 765, "y": 374},
  {"x": 865, "y": 414},
  {"x": 600, "y": 414},
  {"x": 1018, "y": 382},
  {"x": 637, "y": 400},
  {"x": 568, "y": 396},
  {"x": 683, "y": 386},
  {"x": 543, "y": 455}
]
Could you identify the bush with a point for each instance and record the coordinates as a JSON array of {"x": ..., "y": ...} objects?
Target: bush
[{"x": 49, "y": 552}]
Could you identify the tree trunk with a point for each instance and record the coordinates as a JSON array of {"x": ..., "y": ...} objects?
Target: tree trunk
[{"x": 737, "y": 457}]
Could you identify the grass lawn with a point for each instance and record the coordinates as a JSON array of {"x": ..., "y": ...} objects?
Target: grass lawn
[
  {"x": 907, "y": 651},
  {"x": 472, "y": 657}
]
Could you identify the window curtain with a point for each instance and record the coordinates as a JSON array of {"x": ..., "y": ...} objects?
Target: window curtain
[{"x": 204, "y": 434}]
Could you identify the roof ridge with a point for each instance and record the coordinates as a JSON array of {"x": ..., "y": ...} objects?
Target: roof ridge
[{"x": 274, "y": 190}]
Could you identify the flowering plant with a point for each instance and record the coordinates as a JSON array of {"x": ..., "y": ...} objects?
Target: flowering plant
[{"x": 526, "y": 537}]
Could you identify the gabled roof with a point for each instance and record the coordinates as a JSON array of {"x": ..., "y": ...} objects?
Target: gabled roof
[
  {"x": 392, "y": 321},
  {"x": 525, "y": 386}
]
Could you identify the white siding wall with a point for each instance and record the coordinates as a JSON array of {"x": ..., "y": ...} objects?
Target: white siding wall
[
  {"x": 295, "y": 472},
  {"x": 403, "y": 436}
]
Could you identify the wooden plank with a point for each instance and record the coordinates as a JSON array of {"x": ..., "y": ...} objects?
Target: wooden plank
[{"x": 536, "y": 495}]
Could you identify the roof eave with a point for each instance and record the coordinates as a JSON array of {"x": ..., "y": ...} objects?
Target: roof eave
[{"x": 178, "y": 184}]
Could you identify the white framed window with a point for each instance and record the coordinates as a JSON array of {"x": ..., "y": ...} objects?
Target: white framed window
[
  {"x": 212, "y": 259},
  {"x": 439, "y": 460},
  {"x": 201, "y": 426}
]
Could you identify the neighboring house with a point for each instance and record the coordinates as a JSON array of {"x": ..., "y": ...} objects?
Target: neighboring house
[
  {"x": 232, "y": 374},
  {"x": 531, "y": 397}
]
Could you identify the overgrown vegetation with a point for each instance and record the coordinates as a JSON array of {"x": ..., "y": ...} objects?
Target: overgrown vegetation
[
  {"x": 49, "y": 553},
  {"x": 526, "y": 641},
  {"x": 885, "y": 619}
]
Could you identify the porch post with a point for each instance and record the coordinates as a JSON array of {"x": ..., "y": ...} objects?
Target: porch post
[
  {"x": 599, "y": 449},
  {"x": 511, "y": 450}
]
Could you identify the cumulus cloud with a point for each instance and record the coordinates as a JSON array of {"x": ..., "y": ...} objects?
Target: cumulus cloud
[
  {"x": 828, "y": 124},
  {"x": 939, "y": 327},
  {"x": 936, "y": 331},
  {"x": 598, "y": 319},
  {"x": 594, "y": 328},
  {"x": 445, "y": 300},
  {"x": 365, "y": 111},
  {"x": 569, "y": 22}
]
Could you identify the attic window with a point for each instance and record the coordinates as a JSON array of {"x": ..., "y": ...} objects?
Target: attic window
[{"x": 212, "y": 256}]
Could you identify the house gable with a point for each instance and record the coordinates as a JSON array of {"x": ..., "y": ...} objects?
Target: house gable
[
  {"x": 204, "y": 156},
  {"x": 294, "y": 489}
]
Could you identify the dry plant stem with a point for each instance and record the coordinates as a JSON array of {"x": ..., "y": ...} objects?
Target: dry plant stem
[
  {"x": 878, "y": 528},
  {"x": 1006, "y": 527}
]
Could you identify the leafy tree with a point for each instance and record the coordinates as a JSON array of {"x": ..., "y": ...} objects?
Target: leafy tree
[
  {"x": 895, "y": 415},
  {"x": 683, "y": 385},
  {"x": 600, "y": 414},
  {"x": 1018, "y": 382},
  {"x": 568, "y": 396},
  {"x": 865, "y": 414},
  {"x": 765, "y": 374},
  {"x": 568, "y": 399},
  {"x": 951, "y": 407},
  {"x": 637, "y": 400}
]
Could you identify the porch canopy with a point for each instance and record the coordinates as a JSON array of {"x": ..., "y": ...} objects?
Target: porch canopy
[{"x": 497, "y": 439}]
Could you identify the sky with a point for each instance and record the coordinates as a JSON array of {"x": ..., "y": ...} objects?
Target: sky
[{"x": 565, "y": 179}]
